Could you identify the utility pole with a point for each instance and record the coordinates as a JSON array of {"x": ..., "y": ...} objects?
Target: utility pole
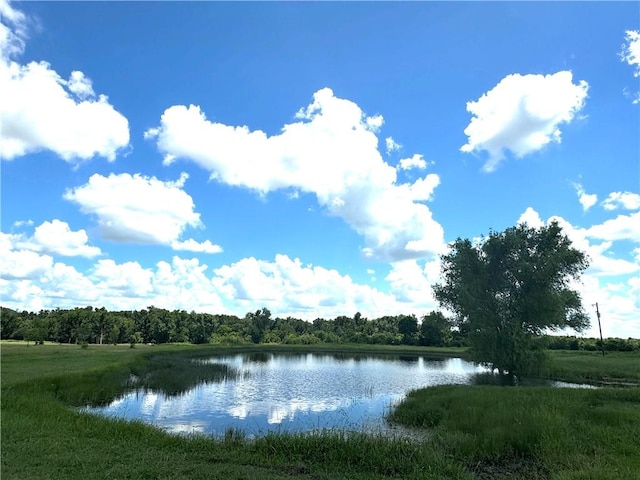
[{"x": 600, "y": 328}]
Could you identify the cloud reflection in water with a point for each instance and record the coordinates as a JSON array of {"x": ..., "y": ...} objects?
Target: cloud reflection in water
[{"x": 292, "y": 393}]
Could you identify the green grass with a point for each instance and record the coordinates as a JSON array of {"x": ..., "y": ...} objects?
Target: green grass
[
  {"x": 475, "y": 432},
  {"x": 532, "y": 432},
  {"x": 591, "y": 367}
]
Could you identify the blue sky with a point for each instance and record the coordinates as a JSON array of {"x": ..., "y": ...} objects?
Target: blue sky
[{"x": 313, "y": 158}]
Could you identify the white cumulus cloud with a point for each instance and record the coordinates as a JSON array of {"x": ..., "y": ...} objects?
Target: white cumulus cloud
[
  {"x": 331, "y": 150},
  {"x": 57, "y": 238},
  {"x": 624, "y": 200},
  {"x": 531, "y": 218},
  {"x": 135, "y": 208},
  {"x": 80, "y": 85},
  {"x": 128, "y": 279},
  {"x": 522, "y": 114},
  {"x": 40, "y": 110},
  {"x": 192, "y": 245},
  {"x": 410, "y": 282},
  {"x": 623, "y": 227},
  {"x": 63, "y": 285},
  {"x": 184, "y": 283},
  {"x": 618, "y": 303},
  {"x": 288, "y": 287},
  {"x": 179, "y": 284},
  {"x": 391, "y": 145},
  {"x": 417, "y": 161},
  {"x": 13, "y": 30},
  {"x": 630, "y": 52},
  {"x": 587, "y": 200},
  {"x": 16, "y": 263}
]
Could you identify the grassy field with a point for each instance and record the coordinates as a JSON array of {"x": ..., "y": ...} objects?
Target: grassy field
[
  {"x": 615, "y": 368},
  {"x": 475, "y": 432},
  {"x": 532, "y": 432}
]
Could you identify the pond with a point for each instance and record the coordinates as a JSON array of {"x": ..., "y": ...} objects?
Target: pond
[{"x": 292, "y": 393}]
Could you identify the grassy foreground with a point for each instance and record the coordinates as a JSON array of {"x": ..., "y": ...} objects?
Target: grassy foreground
[
  {"x": 532, "y": 432},
  {"x": 475, "y": 432}
]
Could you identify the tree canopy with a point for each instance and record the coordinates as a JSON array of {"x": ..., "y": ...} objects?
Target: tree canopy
[
  {"x": 435, "y": 330},
  {"x": 510, "y": 288},
  {"x": 89, "y": 325}
]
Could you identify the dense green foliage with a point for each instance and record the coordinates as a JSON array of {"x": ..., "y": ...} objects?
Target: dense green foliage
[
  {"x": 435, "y": 330},
  {"x": 592, "y": 344},
  {"x": 157, "y": 325},
  {"x": 511, "y": 288},
  {"x": 478, "y": 433}
]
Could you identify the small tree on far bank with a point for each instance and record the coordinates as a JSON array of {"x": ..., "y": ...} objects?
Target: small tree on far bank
[
  {"x": 435, "y": 330},
  {"x": 509, "y": 290},
  {"x": 408, "y": 328},
  {"x": 135, "y": 339},
  {"x": 260, "y": 322}
]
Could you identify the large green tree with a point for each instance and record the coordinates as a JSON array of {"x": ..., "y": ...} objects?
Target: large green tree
[
  {"x": 260, "y": 322},
  {"x": 510, "y": 288},
  {"x": 435, "y": 330},
  {"x": 408, "y": 328}
]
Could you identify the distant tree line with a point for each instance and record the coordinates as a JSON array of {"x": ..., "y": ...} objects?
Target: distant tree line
[
  {"x": 157, "y": 325},
  {"x": 592, "y": 344}
]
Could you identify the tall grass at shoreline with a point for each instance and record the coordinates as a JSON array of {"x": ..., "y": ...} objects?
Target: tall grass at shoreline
[{"x": 551, "y": 428}]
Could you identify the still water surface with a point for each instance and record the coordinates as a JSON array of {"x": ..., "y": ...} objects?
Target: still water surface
[{"x": 293, "y": 393}]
